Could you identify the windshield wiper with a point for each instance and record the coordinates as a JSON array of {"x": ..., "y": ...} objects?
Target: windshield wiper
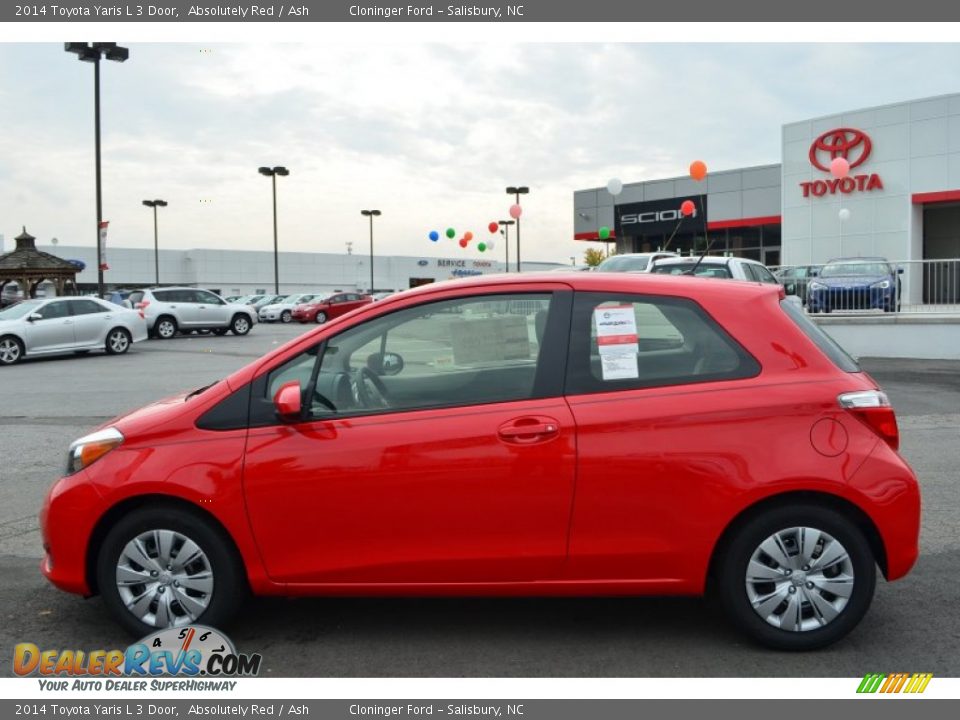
[{"x": 200, "y": 390}]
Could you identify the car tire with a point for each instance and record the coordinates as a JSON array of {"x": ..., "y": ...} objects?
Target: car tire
[
  {"x": 221, "y": 331},
  {"x": 11, "y": 350},
  {"x": 286, "y": 316},
  {"x": 137, "y": 536},
  {"x": 321, "y": 318},
  {"x": 240, "y": 325},
  {"x": 744, "y": 567},
  {"x": 166, "y": 327},
  {"x": 118, "y": 341}
]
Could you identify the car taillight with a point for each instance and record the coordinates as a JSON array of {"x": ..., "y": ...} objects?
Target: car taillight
[
  {"x": 873, "y": 408},
  {"x": 141, "y": 307}
]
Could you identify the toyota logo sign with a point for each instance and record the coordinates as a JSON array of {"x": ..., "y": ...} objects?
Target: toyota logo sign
[{"x": 852, "y": 145}]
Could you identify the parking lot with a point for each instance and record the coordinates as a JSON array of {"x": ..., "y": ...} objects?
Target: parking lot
[{"x": 913, "y": 624}]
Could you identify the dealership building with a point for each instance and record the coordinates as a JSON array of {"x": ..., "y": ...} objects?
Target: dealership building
[
  {"x": 901, "y": 197},
  {"x": 242, "y": 272}
]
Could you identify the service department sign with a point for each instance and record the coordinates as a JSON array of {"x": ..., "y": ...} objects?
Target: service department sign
[{"x": 852, "y": 145}]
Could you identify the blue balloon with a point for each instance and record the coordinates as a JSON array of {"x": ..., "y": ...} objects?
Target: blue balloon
[{"x": 434, "y": 235}]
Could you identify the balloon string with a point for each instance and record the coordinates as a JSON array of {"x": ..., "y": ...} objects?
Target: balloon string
[{"x": 670, "y": 239}]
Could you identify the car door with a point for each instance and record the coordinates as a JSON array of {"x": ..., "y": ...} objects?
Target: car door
[
  {"x": 187, "y": 302},
  {"x": 465, "y": 473},
  {"x": 53, "y": 331},
  {"x": 211, "y": 310},
  {"x": 90, "y": 322},
  {"x": 666, "y": 426},
  {"x": 335, "y": 305}
]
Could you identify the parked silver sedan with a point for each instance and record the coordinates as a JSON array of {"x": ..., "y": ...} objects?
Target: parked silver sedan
[{"x": 67, "y": 324}]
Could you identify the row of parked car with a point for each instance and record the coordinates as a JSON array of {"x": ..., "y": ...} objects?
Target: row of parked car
[{"x": 862, "y": 283}]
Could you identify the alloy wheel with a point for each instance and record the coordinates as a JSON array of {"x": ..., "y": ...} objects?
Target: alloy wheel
[
  {"x": 166, "y": 329},
  {"x": 164, "y": 578},
  {"x": 119, "y": 342},
  {"x": 9, "y": 351},
  {"x": 799, "y": 579}
]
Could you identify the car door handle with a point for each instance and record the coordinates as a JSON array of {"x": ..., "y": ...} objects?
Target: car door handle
[
  {"x": 68, "y": 322},
  {"x": 528, "y": 430},
  {"x": 108, "y": 317}
]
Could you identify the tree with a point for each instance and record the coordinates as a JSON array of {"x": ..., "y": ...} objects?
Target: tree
[{"x": 593, "y": 257}]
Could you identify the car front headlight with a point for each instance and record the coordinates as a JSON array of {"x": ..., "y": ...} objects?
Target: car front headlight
[
  {"x": 814, "y": 285},
  {"x": 90, "y": 448},
  {"x": 882, "y": 285}
]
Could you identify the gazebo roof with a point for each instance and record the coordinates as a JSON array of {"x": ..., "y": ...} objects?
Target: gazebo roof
[{"x": 26, "y": 259}]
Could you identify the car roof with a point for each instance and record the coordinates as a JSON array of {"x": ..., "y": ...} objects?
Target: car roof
[{"x": 858, "y": 260}]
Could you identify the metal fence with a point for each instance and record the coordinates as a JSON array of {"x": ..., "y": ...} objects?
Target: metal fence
[{"x": 875, "y": 286}]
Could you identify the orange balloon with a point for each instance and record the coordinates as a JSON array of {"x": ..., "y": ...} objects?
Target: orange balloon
[
  {"x": 698, "y": 170},
  {"x": 468, "y": 236}
]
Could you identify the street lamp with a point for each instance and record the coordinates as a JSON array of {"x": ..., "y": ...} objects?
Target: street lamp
[
  {"x": 92, "y": 52},
  {"x": 517, "y": 192},
  {"x": 156, "y": 245},
  {"x": 505, "y": 231},
  {"x": 272, "y": 174},
  {"x": 371, "y": 214}
]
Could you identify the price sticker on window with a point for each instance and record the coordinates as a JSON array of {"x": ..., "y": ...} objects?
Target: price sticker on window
[{"x": 616, "y": 328}]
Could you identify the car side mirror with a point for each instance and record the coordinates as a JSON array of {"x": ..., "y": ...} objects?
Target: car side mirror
[
  {"x": 287, "y": 401},
  {"x": 385, "y": 364},
  {"x": 34, "y": 316},
  {"x": 814, "y": 273},
  {"x": 899, "y": 271}
]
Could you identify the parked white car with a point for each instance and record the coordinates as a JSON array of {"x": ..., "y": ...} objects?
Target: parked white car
[
  {"x": 183, "y": 309},
  {"x": 282, "y": 310},
  {"x": 67, "y": 324},
  {"x": 633, "y": 262},
  {"x": 729, "y": 268}
]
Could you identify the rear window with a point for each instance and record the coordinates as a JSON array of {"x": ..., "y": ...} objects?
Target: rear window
[
  {"x": 830, "y": 347},
  {"x": 624, "y": 264},
  {"x": 702, "y": 270}
]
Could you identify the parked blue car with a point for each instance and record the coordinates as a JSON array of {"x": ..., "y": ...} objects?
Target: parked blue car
[{"x": 855, "y": 284}]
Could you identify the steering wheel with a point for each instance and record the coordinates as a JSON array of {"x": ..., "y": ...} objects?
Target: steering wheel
[{"x": 366, "y": 381}]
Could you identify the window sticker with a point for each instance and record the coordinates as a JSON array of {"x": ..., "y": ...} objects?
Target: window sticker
[{"x": 617, "y": 340}]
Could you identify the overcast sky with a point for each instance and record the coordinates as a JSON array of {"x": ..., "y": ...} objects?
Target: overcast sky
[{"x": 429, "y": 134}]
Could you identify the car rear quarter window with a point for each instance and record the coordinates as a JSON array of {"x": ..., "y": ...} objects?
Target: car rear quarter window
[
  {"x": 830, "y": 347},
  {"x": 624, "y": 342}
]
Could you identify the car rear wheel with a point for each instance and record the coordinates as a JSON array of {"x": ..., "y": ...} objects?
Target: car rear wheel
[
  {"x": 321, "y": 318},
  {"x": 11, "y": 350},
  {"x": 797, "y": 578},
  {"x": 118, "y": 341},
  {"x": 163, "y": 567},
  {"x": 285, "y": 316},
  {"x": 166, "y": 327},
  {"x": 240, "y": 325}
]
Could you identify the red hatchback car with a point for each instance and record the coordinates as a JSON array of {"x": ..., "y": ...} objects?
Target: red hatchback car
[
  {"x": 329, "y": 307},
  {"x": 579, "y": 434}
]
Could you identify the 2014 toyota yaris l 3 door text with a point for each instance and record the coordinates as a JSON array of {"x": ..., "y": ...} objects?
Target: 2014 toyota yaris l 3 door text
[{"x": 555, "y": 434}]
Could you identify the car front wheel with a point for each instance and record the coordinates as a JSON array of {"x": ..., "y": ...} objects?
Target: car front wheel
[
  {"x": 321, "y": 318},
  {"x": 11, "y": 350},
  {"x": 797, "y": 578},
  {"x": 240, "y": 325},
  {"x": 285, "y": 316},
  {"x": 162, "y": 567}
]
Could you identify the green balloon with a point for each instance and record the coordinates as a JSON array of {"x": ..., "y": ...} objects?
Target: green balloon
[
  {"x": 481, "y": 247},
  {"x": 451, "y": 232},
  {"x": 604, "y": 233}
]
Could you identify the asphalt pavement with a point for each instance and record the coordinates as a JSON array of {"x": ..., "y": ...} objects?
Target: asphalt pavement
[{"x": 912, "y": 626}]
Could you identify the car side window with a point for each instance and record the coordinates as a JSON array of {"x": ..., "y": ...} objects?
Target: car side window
[
  {"x": 625, "y": 342},
  {"x": 469, "y": 351},
  {"x": 165, "y": 295},
  {"x": 86, "y": 307},
  {"x": 206, "y": 297},
  {"x": 763, "y": 275},
  {"x": 54, "y": 310}
]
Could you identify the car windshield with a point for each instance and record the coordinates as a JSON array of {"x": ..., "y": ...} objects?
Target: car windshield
[
  {"x": 871, "y": 269},
  {"x": 20, "y": 310},
  {"x": 714, "y": 271},
  {"x": 624, "y": 263}
]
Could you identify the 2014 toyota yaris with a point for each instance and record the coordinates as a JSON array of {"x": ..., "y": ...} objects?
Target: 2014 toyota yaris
[{"x": 580, "y": 434}]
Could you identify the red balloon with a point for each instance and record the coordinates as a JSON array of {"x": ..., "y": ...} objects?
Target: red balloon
[
  {"x": 492, "y": 227},
  {"x": 463, "y": 242},
  {"x": 687, "y": 207}
]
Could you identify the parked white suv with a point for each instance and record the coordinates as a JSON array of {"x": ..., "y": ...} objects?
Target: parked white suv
[
  {"x": 184, "y": 309},
  {"x": 730, "y": 268}
]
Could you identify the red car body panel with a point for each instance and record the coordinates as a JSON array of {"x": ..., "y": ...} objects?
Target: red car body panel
[{"x": 630, "y": 496}]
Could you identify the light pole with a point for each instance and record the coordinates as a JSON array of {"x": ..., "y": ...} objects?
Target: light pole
[
  {"x": 517, "y": 192},
  {"x": 505, "y": 231},
  {"x": 272, "y": 174},
  {"x": 156, "y": 243},
  {"x": 92, "y": 52},
  {"x": 371, "y": 214}
]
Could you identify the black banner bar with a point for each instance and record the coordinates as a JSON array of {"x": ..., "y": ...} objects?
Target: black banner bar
[{"x": 827, "y": 12}]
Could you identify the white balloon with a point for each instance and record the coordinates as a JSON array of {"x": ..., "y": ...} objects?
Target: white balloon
[
  {"x": 491, "y": 244},
  {"x": 614, "y": 186},
  {"x": 844, "y": 214}
]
